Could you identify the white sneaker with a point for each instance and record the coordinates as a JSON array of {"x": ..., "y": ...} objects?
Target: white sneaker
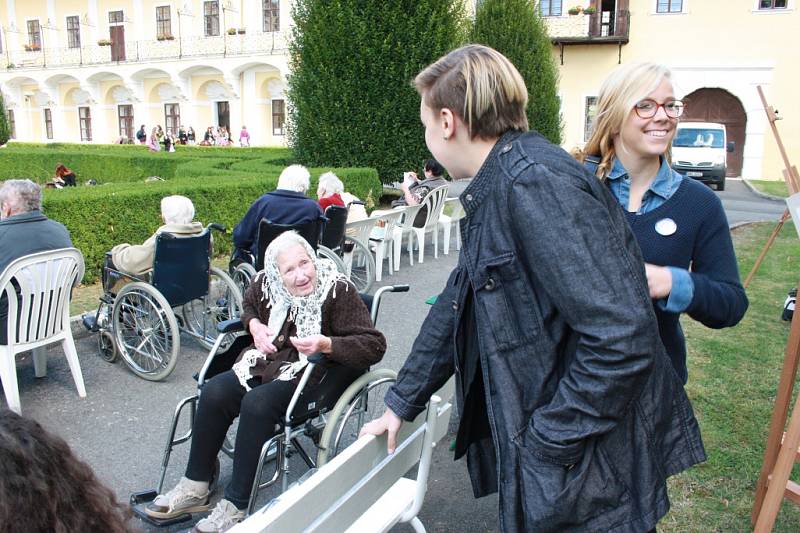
[
  {"x": 224, "y": 516},
  {"x": 179, "y": 500}
]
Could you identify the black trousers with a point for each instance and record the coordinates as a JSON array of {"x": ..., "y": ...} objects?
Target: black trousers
[{"x": 260, "y": 412}]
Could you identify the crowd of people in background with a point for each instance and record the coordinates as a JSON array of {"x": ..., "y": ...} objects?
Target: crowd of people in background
[{"x": 166, "y": 140}]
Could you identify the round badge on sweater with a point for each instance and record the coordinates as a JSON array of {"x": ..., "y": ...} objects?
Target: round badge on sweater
[{"x": 666, "y": 227}]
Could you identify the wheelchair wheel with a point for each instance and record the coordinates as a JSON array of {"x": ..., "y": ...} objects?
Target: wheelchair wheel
[
  {"x": 360, "y": 265},
  {"x": 242, "y": 275},
  {"x": 360, "y": 403},
  {"x": 223, "y": 302},
  {"x": 106, "y": 346},
  {"x": 327, "y": 253},
  {"x": 145, "y": 331}
]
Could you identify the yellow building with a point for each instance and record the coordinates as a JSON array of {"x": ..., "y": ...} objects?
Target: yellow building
[
  {"x": 97, "y": 70},
  {"x": 718, "y": 50}
]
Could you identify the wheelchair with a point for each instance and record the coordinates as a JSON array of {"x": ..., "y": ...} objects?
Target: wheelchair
[
  {"x": 329, "y": 416},
  {"x": 358, "y": 260},
  {"x": 140, "y": 318}
]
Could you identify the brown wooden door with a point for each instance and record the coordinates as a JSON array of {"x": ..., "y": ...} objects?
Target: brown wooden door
[
  {"x": 224, "y": 115},
  {"x": 718, "y": 105},
  {"x": 117, "y": 34}
]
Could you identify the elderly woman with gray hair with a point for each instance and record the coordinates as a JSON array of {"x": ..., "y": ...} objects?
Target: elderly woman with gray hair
[
  {"x": 177, "y": 212},
  {"x": 330, "y": 191},
  {"x": 297, "y": 306}
]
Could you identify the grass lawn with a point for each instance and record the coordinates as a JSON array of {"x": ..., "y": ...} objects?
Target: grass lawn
[
  {"x": 775, "y": 188},
  {"x": 733, "y": 376}
]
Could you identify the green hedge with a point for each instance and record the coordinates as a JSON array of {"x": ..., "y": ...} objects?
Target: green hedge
[{"x": 222, "y": 183}]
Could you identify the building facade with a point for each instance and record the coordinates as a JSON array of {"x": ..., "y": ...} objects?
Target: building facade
[
  {"x": 718, "y": 50},
  {"x": 96, "y": 70}
]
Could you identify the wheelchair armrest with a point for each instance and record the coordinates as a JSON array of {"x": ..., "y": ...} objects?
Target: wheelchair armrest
[
  {"x": 230, "y": 326},
  {"x": 316, "y": 358},
  {"x": 218, "y": 227}
]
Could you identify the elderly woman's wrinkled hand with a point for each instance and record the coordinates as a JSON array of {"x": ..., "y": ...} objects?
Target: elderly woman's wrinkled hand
[
  {"x": 262, "y": 336},
  {"x": 312, "y": 344}
]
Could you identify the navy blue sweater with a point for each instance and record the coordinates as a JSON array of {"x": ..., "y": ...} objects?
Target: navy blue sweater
[{"x": 701, "y": 243}]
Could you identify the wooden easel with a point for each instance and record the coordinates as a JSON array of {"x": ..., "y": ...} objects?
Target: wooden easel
[{"x": 791, "y": 176}]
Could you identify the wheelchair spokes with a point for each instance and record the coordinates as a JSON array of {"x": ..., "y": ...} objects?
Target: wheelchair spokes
[{"x": 223, "y": 302}]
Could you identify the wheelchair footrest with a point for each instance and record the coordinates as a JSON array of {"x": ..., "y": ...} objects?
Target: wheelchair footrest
[{"x": 140, "y": 499}]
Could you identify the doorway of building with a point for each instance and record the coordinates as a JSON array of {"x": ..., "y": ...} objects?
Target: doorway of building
[
  {"x": 720, "y": 106},
  {"x": 224, "y": 115},
  {"x": 125, "y": 114},
  {"x": 116, "y": 31}
]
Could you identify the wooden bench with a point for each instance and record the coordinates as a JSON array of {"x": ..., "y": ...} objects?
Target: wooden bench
[{"x": 362, "y": 488}]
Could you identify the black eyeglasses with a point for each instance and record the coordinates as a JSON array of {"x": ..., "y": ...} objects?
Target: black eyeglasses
[{"x": 648, "y": 108}]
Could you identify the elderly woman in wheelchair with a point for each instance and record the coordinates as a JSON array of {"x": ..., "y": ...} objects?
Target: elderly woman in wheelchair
[{"x": 298, "y": 305}]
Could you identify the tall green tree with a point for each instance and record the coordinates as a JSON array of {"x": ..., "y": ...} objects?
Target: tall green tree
[
  {"x": 352, "y": 61},
  {"x": 5, "y": 129},
  {"x": 515, "y": 29}
]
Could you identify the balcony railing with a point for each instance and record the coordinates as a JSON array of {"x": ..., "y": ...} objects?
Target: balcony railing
[
  {"x": 601, "y": 27},
  {"x": 135, "y": 51}
]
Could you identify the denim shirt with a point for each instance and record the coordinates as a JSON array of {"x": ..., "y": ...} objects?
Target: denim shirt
[{"x": 661, "y": 189}]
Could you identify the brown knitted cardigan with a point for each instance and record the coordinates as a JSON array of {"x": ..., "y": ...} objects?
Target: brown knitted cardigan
[{"x": 345, "y": 319}]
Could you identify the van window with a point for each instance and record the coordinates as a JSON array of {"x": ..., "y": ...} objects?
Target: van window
[{"x": 689, "y": 137}]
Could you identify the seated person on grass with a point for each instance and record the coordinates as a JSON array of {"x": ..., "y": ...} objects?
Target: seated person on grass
[{"x": 287, "y": 204}]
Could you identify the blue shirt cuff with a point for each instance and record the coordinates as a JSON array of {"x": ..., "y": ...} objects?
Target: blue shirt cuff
[{"x": 681, "y": 294}]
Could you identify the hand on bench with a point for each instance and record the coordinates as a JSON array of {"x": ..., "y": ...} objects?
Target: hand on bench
[{"x": 388, "y": 422}]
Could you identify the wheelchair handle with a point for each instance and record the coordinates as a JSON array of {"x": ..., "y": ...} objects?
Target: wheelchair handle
[
  {"x": 219, "y": 227},
  {"x": 356, "y": 202},
  {"x": 399, "y": 288}
]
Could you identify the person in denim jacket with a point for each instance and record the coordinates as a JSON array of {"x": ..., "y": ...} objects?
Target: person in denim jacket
[
  {"x": 679, "y": 223},
  {"x": 546, "y": 323}
]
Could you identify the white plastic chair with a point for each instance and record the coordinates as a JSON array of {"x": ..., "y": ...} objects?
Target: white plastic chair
[
  {"x": 434, "y": 202},
  {"x": 38, "y": 314},
  {"x": 383, "y": 242},
  {"x": 403, "y": 228},
  {"x": 448, "y": 221}
]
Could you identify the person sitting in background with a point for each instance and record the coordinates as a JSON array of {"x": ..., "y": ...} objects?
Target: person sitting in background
[
  {"x": 329, "y": 190},
  {"x": 208, "y": 137},
  {"x": 182, "y": 135},
  {"x": 141, "y": 135},
  {"x": 45, "y": 487},
  {"x": 153, "y": 143},
  {"x": 190, "y": 136},
  {"x": 169, "y": 141},
  {"x": 288, "y": 204},
  {"x": 64, "y": 176},
  {"x": 177, "y": 212},
  {"x": 415, "y": 190},
  {"x": 24, "y": 230},
  {"x": 297, "y": 306},
  {"x": 244, "y": 137}
]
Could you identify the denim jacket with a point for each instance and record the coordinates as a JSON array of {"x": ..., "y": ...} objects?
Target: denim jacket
[{"x": 587, "y": 416}]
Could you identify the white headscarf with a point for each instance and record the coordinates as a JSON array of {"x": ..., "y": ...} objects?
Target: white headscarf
[{"x": 304, "y": 311}]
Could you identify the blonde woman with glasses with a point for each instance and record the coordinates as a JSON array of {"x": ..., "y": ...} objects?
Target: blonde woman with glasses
[
  {"x": 679, "y": 223},
  {"x": 545, "y": 322}
]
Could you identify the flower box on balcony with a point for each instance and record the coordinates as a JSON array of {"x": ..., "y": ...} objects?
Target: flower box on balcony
[
  {"x": 241, "y": 31},
  {"x": 32, "y": 47},
  {"x": 574, "y": 10},
  {"x": 104, "y": 42},
  {"x": 231, "y": 31},
  {"x": 589, "y": 10}
]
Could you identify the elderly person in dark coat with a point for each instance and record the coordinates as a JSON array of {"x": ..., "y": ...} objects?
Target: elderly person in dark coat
[
  {"x": 297, "y": 306},
  {"x": 24, "y": 230},
  {"x": 288, "y": 204}
]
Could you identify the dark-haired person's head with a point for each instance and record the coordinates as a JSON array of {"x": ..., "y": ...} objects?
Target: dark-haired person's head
[
  {"x": 433, "y": 168},
  {"x": 45, "y": 487}
]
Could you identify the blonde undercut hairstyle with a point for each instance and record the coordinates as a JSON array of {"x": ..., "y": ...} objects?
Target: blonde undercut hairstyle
[
  {"x": 481, "y": 86},
  {"x": 619, "y": 93}
]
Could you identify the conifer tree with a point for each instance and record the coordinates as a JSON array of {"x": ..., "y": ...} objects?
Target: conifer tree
[
  {"x": 351, "y": 102},
  {"x": 515, "y": 29}
]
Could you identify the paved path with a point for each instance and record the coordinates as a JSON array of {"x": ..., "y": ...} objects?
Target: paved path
[{"x": 120, "y": 428}]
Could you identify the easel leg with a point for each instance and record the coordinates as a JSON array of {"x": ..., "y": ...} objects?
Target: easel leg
[
  {"x": 779, "y": 414},
  {"x": 766, "y": 248}
]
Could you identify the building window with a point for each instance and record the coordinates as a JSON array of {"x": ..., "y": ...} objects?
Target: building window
[
  {"x": 48, "y": 123},
  {"x": 272, "y": 15},
  {"x": 172, "y": 117},
  {"x": 116, "y": 17},
  {"x": 125, "y": 113},
  {"x": 85, "y": 119},
  {"x": 550, "y": 8},
  {"x": 278, "y": 117},
  {"x": 34, "y": 34},
  {"x": 590, "y": 113},
  {"x": 12, "y": 124},
  {"x": 73, "y": 32},
  {"x": 163, "y": 22},
  {"x": 669, "y": 6},
  {"x": 772, "y": 4},
  {"x": 211, "y": 18}
]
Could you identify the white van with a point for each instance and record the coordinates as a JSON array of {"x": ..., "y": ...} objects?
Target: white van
[{"x": 699, "y": 151}]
